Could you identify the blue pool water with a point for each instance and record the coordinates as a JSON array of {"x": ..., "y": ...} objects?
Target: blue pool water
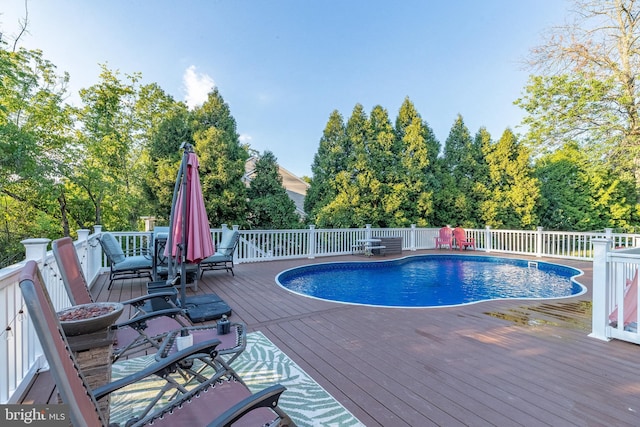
[{"x": 432, "y": 281}]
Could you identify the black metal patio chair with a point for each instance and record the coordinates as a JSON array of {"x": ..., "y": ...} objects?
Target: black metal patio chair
[
  {"x": 124, "y": 266},
  {"x": 222, "y": 259}
]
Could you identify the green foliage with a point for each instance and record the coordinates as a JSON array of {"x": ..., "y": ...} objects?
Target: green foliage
[
  {"x": 513, "y": 191},
  {"x": 270, "y": 208},
  {"x": 582, "y": 195},
  {"x": 561, "y": 107},
  {"x": 333, "y": 156},
  {"x": 115, "y": 157},
  {"x": 587, "y": 91},
  {"x": 457, "y": 199},
  {"x": 384, "y": 180},
  {"x": 34, "y": 126},
  {"x": 222, "y": 161},
  {"x": 417, "y": 152},
  {"x": 161, "y": 158},
  {"x": 108, "y": 152}
]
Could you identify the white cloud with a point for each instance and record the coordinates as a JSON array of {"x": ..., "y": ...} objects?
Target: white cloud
[
  {"x": 197, "y": 86},
  {"x": 245, "y": 139}
]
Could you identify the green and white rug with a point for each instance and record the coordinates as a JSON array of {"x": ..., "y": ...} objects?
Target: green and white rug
[{"x": 261, "y": 364}]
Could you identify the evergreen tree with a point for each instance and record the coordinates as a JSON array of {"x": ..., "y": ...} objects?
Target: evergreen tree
[
  {"x": 514, "y": 192},
  {"x": 456, "y": 199},
  {"x": 333, "y": 157},
  {"x": 479, "y": 178},
  {"x": 222, "y": 161},
  {"x": 378, "y": 160},
  {"x": 270, "y": 208},
  {"x": 342, "y": 211},
  {"x": 418, "y": 150},
  {"x": 162, "y": 158}
]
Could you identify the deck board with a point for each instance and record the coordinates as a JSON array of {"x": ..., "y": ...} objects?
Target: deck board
[{"x": 534, "y": 366}]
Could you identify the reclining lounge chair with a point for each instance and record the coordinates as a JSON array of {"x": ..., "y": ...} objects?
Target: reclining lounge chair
[
  {"x": 215, "y": 402},
  {"x": 223, "y": 258},
  {"x": 122, "y": 266},
  {"x": 144, "y": 330}
]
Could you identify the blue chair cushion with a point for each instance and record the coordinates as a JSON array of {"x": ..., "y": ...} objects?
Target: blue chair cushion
[
  {"x": 137, "y": 262},
  {"x": 217, "y": 257},
  {"x": 227, "y": 243},
  {"x": 112, "y": 248}
]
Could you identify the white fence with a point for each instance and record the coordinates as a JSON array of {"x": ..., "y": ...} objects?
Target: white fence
[
  {"x": 21, "y": 355},
  {"x": 615, "y": 292}
]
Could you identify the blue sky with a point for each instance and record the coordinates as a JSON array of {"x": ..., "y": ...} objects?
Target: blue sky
[{"x": 283, "y": 66}]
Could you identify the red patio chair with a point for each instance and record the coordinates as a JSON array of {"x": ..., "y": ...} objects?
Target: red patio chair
[
  {"x": 461, "y": 239},
  {"x": 444, "y": 238}
]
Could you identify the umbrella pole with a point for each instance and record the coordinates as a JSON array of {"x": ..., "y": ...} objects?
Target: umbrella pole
[
  {"x": 171, "y": 269},
  {"x": 183, "y": 243},
  {"x": 172, "y": 219}
]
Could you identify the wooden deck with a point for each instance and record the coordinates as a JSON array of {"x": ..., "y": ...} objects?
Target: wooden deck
[{"x": 500, "y": 363}]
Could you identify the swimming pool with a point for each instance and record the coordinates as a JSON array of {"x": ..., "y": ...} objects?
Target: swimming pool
[{"x": 432, "y": 281}]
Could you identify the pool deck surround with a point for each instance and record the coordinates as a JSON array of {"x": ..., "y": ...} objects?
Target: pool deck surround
[{"x": 493, "y": 363}]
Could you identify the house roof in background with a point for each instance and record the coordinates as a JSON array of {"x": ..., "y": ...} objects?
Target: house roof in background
[{"x": 296, "y": 187}]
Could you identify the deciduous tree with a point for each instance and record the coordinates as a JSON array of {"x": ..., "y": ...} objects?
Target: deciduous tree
[
  {"x": 580, "y": 194},
  {"x": 586, "y": 88}
]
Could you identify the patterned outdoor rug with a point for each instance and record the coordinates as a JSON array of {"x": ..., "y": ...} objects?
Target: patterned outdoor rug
[{"x": 260, "y": 365}]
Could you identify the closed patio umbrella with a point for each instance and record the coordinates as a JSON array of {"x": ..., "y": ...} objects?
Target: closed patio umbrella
[{"x": 189, "y": 239}]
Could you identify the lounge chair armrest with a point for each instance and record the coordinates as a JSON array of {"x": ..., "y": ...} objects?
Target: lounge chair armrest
[
  {"x": 166, "y": 365},
  {"x": 267, "y": 398},
  {"x": 138, "y": 320},
  {"x": 141, "y": 300}
]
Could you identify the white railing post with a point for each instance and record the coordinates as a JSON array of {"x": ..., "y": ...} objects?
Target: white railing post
[
  {"x": 487, "y": 238},
  {"x": 83, "y": 234},
  {"x": 35, "y": 249},
  {"x": 312, "y": 241},
  {"x": 148, "y": 222},
  {"x": 85, "y": 260},
  {"x": 95, "y": 258},
  {"x": 600, "y": 290},
  {"x": 539, "y": 241},
  {"x": 367, "y": 234},
  {"x": 412, "y": 243},
  {"x": 608, "y": 233}
]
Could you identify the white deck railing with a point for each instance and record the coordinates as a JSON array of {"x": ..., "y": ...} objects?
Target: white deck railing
[
  {"x": 21, "y": 355},
  {"x": 615, "y": 271}
]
